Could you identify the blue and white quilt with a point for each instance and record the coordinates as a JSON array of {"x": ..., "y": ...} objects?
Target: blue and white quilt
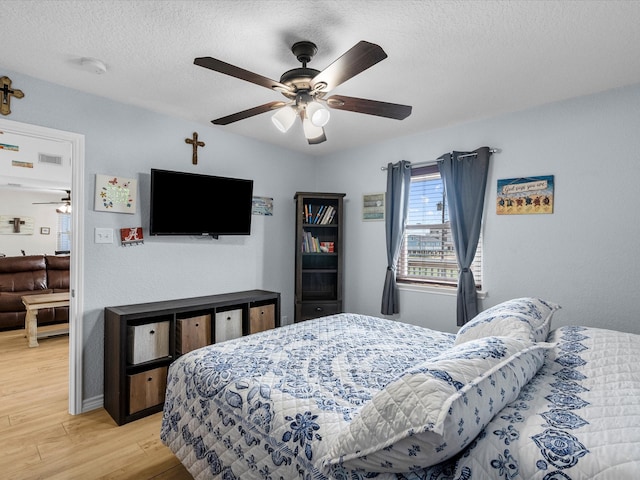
[
  {"x": 283, "y": 404},
  {"x": 266, "y": 406},
  {"x": 578, "y": 418}
]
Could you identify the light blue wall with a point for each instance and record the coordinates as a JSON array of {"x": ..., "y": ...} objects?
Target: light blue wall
[
  {"x": 584, "y": 256},
  {"x": 128, "y": 141}
]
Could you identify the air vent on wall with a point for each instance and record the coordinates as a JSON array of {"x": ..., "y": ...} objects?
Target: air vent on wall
[{"x": 50, "y": 159}]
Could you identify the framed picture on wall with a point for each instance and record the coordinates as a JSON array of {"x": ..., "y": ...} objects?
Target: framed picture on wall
[
  {"x": 373, "y": 207},
  {"x": 45, "y": 230},
  {"x": 525, "y": 195},
  {"x": 115, "y": 194},
  {"x": 15, "y": 225},
  {"x": 262, "y": 206}
]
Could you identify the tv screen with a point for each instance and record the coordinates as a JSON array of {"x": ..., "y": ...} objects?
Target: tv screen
[{"x": 194, "y": 204}]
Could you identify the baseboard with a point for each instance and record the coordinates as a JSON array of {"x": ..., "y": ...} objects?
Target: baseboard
[{"x": 93, "y": 403}]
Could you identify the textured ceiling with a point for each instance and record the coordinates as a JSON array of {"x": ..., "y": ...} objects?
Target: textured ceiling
[{"x": 453, "y": 61}]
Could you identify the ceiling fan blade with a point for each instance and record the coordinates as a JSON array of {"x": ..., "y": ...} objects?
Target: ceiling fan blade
[
  {"x": 66, "y": 200},
  {"x": 248, "y": 113},
  {"x": 242, "y": 74},
  {"x": 369, "y": 107},
  {"x": 356, "y": 60}
]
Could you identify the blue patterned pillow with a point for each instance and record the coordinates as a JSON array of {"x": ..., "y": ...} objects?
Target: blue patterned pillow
[
  {"x": 524, "y": 318},
  {"x": 436, "y": 409}
]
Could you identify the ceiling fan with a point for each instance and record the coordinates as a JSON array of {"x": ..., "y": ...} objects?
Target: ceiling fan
[
  {"x": 65, "y": 203},
  {"x": 305, "y": 89}
]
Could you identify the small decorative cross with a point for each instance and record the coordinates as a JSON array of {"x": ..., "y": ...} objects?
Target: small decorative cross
[
  {"x": 16, "y": 224},
  {"x": 195, "y": 143},
  {"x": 7, "y": 92}
]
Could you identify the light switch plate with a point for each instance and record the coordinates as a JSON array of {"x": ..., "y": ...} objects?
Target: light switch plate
[{"x": 104, "y": 235}]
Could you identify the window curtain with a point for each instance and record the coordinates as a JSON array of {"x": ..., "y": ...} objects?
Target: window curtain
[
  {"x": 397, "y": 201},
  {"x": 465, "y": 181}
]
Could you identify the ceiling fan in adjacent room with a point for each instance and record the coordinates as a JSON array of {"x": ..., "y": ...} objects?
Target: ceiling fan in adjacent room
[
  {"x": 305, "y": 89},
  {"x": 64, "y": 203}
]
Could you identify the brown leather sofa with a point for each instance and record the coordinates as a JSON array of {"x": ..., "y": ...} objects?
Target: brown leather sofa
[{"x": 30, "y": 275}]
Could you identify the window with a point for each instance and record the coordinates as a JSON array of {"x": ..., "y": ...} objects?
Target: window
[
  {"x": 63, "y": 242},
  {"x": 427, "y": 255}
]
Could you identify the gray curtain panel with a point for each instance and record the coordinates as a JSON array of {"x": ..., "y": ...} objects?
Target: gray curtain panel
[
  {"x": 465, "y": 181},
  {"x": 397, "y": 202}
]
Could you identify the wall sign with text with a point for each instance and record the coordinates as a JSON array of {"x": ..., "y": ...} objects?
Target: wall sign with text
[{"x": 525, "y": 195}]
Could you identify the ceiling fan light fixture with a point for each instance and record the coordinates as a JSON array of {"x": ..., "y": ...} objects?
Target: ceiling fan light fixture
[
  {"x": 305, "y": 89},
  {"x": 65, "y": 208},
  {"x": 283, "y": 119},
  {"x": 318, "y": 114},
  {"x": 311, "y": 131}
]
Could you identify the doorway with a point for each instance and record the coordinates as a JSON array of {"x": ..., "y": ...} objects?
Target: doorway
[{"x": 76, "y": 283}]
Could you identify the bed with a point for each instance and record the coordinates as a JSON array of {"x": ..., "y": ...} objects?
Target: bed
[{"x": 353, "y": 397}]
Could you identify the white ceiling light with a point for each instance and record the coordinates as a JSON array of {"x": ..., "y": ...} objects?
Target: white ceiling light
[
  {"x": 315, "y": 116},
  {"x": 93, "y": 65},
  {"x": 284, "y": 118},
  {"x": 318, "y": 114},
  {"x": 311, "y": 131}
]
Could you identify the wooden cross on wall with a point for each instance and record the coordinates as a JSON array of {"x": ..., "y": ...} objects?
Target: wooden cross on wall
[
  {"x": 7, "y": 92},
  {"x": 16, "y": 224},
  {"x": 195, "y": 144}
]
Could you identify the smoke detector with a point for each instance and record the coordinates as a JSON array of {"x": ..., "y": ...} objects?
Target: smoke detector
[{"x": 93, "y": 65}]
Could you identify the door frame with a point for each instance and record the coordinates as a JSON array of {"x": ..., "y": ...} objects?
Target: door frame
[{"x": 76, "y": 279}]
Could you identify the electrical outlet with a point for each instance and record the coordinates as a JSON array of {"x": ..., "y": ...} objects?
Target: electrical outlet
[{"x": 104, "y": 235}]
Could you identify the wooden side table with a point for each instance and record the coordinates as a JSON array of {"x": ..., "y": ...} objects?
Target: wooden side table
[{"x": 35, "y": 302}]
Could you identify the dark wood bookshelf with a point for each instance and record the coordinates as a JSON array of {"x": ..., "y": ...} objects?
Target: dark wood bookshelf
[{"x": 319, "y": 254}]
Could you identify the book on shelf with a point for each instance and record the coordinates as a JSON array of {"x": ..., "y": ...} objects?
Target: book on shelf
[
  {"x": 325, "y": 216},
  {"x": 311, "y": 244},
  {"x": 308, "y": 243},
  {"x": 328, "y": 215},
  {"x": 309, "y": 213},
  {"x": 331, "y": 215},
  {"x": 318, "y": 214}
]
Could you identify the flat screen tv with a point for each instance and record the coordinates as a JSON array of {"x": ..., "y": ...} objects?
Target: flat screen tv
[{"x": 195, "y": 204}]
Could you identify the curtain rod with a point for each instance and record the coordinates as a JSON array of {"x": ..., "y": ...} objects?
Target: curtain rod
[{"x": 433, "y": 162}]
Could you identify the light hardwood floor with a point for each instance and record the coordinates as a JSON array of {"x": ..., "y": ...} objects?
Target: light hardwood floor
[{"x": 39, "y": 439}]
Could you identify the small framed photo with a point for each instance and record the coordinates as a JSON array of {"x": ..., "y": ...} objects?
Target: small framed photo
[
  {"x": 45, "y": 230},
  {"x": 373, "y": 207}
]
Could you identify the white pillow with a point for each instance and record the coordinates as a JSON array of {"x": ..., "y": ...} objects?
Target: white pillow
[
  {"x": 436, "y": 409},
  {"x": 524, "y": 318}
]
